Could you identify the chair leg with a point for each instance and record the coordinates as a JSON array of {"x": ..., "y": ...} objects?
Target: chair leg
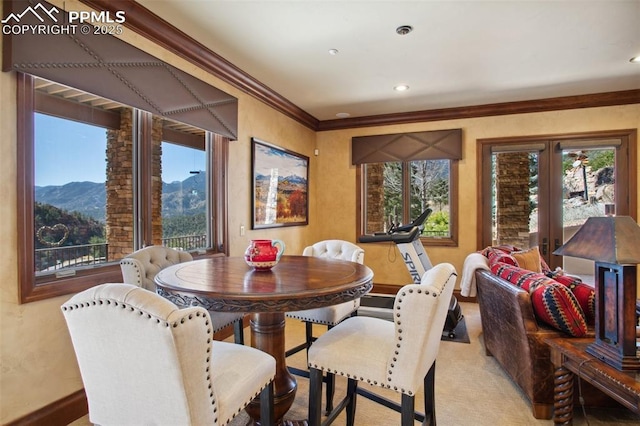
[
  {"x": 352, "y": 393},
  {"x": 267, "y": 416},
  {"x": 406, "y": 412},
  {"x": 238, "y": 332},
  {"x": 430, "y": 396},
  {"x": 331, "y": 388},
  {"x": 308, "y": 335},
  {"x": 315, "y": 397}
]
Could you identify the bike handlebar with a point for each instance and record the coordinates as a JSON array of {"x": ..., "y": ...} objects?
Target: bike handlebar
[{"x": 401, "y": 234}]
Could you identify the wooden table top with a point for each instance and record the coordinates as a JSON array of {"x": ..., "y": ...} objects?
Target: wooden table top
[{"x": 295, "y": 283}]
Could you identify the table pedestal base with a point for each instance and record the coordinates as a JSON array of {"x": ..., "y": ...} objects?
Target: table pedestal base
[{"x": 267, "y": 334}]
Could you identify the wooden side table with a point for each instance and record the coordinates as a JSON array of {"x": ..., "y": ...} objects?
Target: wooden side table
[{"x": 570, "y": 358}]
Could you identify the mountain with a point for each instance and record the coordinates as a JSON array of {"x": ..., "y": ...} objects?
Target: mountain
[{"x": 90, "y": 198}]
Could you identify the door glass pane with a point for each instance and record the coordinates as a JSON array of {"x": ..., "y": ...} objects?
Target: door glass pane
[
  {"x": 184, "y": 197},
  {"x": 70, "y": 195},
  {"x": 430, "y": 189},
  {"x": 588, "y": 185},
  {"x": 515, "y": 199}
]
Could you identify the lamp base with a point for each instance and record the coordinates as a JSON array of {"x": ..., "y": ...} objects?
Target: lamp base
[{"x": 613, "y": 357}]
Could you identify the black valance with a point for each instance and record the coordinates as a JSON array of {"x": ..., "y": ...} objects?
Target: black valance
[
  {"x": 106, "y": 66},
  {"x": 432, "y": 145}
]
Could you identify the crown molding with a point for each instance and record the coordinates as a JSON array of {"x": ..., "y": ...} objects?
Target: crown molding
[
  {"x": 540, "y": 105},
  {"x": 154, "y": 28}
]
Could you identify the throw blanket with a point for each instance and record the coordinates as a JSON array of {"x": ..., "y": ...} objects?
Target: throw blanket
[{"x": 468, "y": 282}]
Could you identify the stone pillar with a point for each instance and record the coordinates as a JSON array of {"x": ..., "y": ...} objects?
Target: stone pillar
[
  {"x": 375, "y": 198},
  {"x": 156, "y": 180},
  {"x": 512, "y": 199},
  {"x": 119, "y": 187}
]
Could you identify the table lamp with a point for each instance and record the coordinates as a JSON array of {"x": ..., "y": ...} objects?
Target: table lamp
[{"x": 613, "y": 242}]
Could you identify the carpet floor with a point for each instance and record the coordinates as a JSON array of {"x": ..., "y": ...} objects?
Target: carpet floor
[{"x": 471, "y": 389}]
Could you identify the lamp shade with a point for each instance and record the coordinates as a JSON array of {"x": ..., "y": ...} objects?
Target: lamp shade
[{"x": 610, "y": 239}]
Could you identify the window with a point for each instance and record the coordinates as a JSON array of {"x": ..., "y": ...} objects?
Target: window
[
  {"x": 401, "y": 175},
  {"x": 398, "y": 192},
  {"x": 93, "y": 187},
  {"x": 184, "y": 197},
  {"x": 69, "y": 201},
  {"x": 540, "y": 190}
]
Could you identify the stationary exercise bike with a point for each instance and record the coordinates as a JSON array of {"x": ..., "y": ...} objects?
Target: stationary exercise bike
[{"x": 407, "y": 239}]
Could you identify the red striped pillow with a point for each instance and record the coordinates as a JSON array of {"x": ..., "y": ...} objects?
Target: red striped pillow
[
  {"x": 556, "y": 305},
  {"x": 585, "y": 294},
  {"x": 553, "y": 303}
]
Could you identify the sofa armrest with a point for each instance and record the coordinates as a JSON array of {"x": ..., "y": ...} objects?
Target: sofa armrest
[{"x": 510, "y": 330}]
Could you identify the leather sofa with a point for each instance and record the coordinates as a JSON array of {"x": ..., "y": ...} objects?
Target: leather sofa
[{"x": 516, "y": 340}]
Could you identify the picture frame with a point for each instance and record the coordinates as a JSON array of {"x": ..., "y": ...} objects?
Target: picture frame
[{"x": 280, "y": 186}]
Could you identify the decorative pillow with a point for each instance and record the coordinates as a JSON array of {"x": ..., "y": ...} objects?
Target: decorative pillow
[
  {"x": 553, "y": 303},
  {"x": 584, "y": 293},
  {"x": 498, "y": 256},
  {"x": 528, "y": 259},
  {"x": 520, "y": 277},
  {"x": 503, "y": 248},
  {"x": 556, "y": 305}
]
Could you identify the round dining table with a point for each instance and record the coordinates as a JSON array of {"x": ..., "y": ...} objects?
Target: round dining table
[{"x": 228, "y": 284}]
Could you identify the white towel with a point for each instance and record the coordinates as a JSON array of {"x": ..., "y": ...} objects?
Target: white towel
[{"x": 468, "y": 282}]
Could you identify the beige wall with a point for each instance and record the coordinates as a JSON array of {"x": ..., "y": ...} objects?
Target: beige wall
[
  {"x": 37, "y": 361},
  {"x": 36, "y": 357},
  {"x": 336, "y": 196}
]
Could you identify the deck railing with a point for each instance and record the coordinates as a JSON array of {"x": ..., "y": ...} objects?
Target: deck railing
[
  {"x": 55, "y": 258},
  {"x": 186, "y": 242}
]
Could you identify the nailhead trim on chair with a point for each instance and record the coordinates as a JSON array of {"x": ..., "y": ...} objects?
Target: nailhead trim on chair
[
  {"x": 166, "y": 324},
  {"x": 130, "y": 262},
  {"x": 398, "y": 322}
]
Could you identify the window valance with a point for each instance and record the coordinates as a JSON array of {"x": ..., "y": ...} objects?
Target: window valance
[
  {"x": 431, "y": 145},
  {"x": 106, "y": 66}
]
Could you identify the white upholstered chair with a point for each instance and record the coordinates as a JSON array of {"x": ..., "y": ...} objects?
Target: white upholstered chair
[
  {"x": 329, "y": 315},
  {"x": 144, "y": 361},
  {"x": 398, "y": 355},
  {"x": 141, "y": 267}
]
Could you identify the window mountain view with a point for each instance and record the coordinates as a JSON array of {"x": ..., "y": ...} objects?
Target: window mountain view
[{"x": 74, "y": 214}]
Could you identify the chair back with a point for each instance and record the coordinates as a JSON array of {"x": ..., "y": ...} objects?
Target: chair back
[
  {"x": 142, "y": 360},
  {"x": 141, "y": 266},
  {"x": 419, "y": 312},
  {"x": 336, "y": 249}
]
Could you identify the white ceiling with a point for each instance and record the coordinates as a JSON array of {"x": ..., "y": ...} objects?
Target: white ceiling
[{"x": 460, "y": 53}]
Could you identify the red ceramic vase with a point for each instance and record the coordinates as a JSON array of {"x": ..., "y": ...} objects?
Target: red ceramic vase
[{"x": 263, "y": 255}]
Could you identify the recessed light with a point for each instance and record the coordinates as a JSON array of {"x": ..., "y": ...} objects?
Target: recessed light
[
  {"x": 333, "y": 52},
  {"x": 635, "y": 60},
  {"x": 401, "y": 88},
  {"x": 343, "y": 115},
  {"x": 404, "y": 29}
]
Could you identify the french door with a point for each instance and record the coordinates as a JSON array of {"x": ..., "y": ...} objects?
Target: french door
[{"x": 537, "y": 191}]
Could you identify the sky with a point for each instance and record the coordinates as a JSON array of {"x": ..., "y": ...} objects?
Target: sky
[
  {"x": 67, "y": 151},
  {"x": 269, "y": 159}
]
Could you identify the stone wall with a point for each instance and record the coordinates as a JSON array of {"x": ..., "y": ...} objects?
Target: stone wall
[
  {"x": 119, "y": 227},
  {"x": 375, "y": 198},
  {"x": 512, "y": 203},
  {"x": 119, "y": 186}
]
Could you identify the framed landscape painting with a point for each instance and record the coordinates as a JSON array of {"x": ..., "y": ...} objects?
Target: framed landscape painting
[{"x": 280, "y": 186}]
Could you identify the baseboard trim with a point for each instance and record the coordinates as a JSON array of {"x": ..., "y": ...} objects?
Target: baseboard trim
[{"x": 58, "y": 413}]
